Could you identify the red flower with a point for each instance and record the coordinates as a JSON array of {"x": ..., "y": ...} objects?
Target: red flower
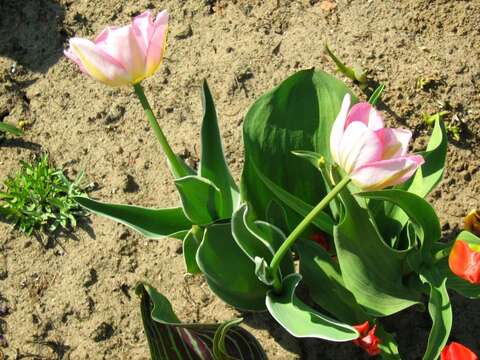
[
  {"x": 321, "y": 239},
  {"x": 456, "y": 351},
  {"x": 367, "y": 340},
  {"x": 464, "y": 261}
]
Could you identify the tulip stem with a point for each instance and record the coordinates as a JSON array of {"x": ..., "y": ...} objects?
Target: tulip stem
[
  {"x": 287, "y": 244},
  {"x": 178, "y": 169}
]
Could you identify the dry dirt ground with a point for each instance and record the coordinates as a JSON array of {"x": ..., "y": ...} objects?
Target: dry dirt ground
[{"x": 75, "y": 300}]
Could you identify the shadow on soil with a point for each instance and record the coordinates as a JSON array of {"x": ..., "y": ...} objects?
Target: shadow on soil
[{"x": 32, "y": 33}]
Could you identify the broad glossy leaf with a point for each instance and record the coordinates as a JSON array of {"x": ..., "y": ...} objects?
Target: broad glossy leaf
[
  {"x": 440, "y": 311},
  {"x": 371, "y": 270},
  {"x": 201, "y": 199},
  {"x": 182, "y": 170},
  {"x": 431, "y": 173},
  {"x": 418, "y": 210},
  {"x": 313, "y": 157},
  {"x": 318, "y": 161},
  {"x": 169, "y": 339},
  {"x": 325, "y": 284},
  {"x": 296, "y": 115},
  {"x": 277, "y": 215},
  {"x": 302, "y": 321},
  {"x": 212, "y": 163},
  {"x": 190, "y": 247},
  {"x": 229, "y": 272},
  {"x": 427, "y": 177},
  {"x": 152, "y": 223},
  {"x": 322, "y": 221},
  {"x": 259, "y": 238}
]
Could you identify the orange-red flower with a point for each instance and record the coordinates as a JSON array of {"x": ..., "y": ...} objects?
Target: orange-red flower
[
  {"x": 456, "y": 351},
  {"x": 464, "y": 261},
  {"x": 367, "y": 340}
]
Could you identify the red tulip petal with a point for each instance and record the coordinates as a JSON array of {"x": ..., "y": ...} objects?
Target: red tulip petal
[
  {"x": 465, "y": 262},
  {"x": 456, "y": 351}
]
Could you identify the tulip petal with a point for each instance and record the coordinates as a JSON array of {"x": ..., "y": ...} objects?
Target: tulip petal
[
  {"x": 365, "y": 113},
  {"x": 338, "y": 128},
  {"x": 96, "y": 63},
  {"x": 121, "y": 44},
  {"x": 457, "y": 351},
  {"x": 71, "y": 55},
  {"x": 465, "y": 262},
  {"x": 143, "y": 29},
  {"x": 395, "y": 142},
  {"x": 360, "y": 145},
  {"x": 375, "y": 120},
  {"x": 381, "y": 174},
  {"x": 157, "y": 44}
]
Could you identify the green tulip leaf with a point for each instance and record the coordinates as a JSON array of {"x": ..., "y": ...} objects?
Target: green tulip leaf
[
  {"x": 230, "y": 273},
  {"x": 325, "y": 284},
  {"x": 213, "y": 165},
  {"x": 469, "y": 237},
  {"x": 296, "y": 115},
  {"x": 440, "y": 311},
  {"x": 247, "y": 347},
  {"x": 258, "y": 238},
  {"x": 371, "y": 269},
  {"x": 152, "y": 223},
  {"x": 201, "y": 199},
  {"x": 431, "y": 172},
  {"x": 190, "y": 247},
  {"x": 427, "y": 177},
  {"x": 313, "y": 157},
  {"x": 419, "y": 211},
  {"x": 169, "y": 339},
  {"x": 302, "y": 321},
  {"x": 323, "y": 221},
  {"x": 276, "y": 214}
]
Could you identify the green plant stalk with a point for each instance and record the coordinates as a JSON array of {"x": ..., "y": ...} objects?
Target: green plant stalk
[
  {"x": 287, "y": 244},
  {"x": 172, "y": 158},
  {"x": 348, "y": 72}
]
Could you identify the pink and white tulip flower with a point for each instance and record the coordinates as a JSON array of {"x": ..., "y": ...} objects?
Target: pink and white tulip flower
[
  {"x": 123, "y": 55},
  {"x": 373, "y": 156}
]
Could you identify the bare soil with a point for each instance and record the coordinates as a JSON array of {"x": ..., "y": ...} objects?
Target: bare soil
[{"x": 75, "y": 299}]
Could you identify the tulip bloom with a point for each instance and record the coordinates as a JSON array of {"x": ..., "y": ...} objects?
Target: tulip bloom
[
  {"x": 123, "y": 55},
  {"x": 373, "y": 156},
  {"x": 456, "y": 351},
  {"x": 368, "y": 341},
  {"x": 464, "y": 261}
]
